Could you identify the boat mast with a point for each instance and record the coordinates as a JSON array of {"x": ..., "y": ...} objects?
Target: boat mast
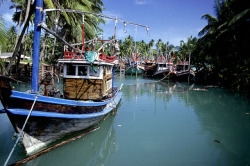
[
  {"x": 83, "y": 47},
  {"x": 36, "y": 47}
]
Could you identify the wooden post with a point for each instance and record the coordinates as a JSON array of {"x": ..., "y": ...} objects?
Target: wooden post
[{"x": 83, "y": 47}]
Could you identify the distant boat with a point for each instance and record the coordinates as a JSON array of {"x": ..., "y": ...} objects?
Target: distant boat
[
  {"x": 150, "y": 68},
  {"x": 162, "y": 69},
  {"x": 135, "y": 66},
  {"x": 182, "y": 72}
]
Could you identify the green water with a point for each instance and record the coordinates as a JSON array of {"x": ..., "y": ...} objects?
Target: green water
[{"x": 156, "y": 124}]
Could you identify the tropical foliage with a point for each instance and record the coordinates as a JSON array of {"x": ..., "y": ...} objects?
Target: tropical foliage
[
  {"x": 2, "y": 33},
  {"x": 222, "y": 53},
  {"x": 67, "y": 25}
]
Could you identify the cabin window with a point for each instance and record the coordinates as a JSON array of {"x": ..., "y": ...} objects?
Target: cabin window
[
  {"x": 162, "y": 65},
  {"x": 71, "y": 70},
  {"x": 94, "y": 72},
  {"x": 82, "y": 70}
]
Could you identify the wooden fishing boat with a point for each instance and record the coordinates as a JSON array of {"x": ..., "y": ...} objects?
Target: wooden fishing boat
[
  {"x": 150, "y": 68},
  {"x": 135, "y": 67},
  {"x": 162, "y": 69},
  {"x": 182, "y": 72},
  {"x": 88, "y": 96},
  {"x": 88, "y": 91},
  {"x": 135, "y": 70}
]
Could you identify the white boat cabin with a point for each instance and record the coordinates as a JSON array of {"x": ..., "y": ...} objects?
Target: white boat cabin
[{"x": 163, "y": 66}]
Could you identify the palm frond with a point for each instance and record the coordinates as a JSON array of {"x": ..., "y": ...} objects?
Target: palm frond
[{"x": 239, "y": 17}]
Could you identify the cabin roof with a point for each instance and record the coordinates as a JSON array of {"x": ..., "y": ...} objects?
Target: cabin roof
[{"x": 83, "y": 61}]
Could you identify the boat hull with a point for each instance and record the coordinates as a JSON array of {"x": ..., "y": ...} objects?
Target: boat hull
[
  {"x": 41, "y": 131},
  {"x": 161, "y": 73},
  {"x": 50, "y": 121},
  {"x": 134, "y": 71},
  {"x": 181, "y": 76}
]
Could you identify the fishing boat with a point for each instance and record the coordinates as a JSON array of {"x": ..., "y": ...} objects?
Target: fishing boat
[
  {"x": 40, "y": 118},
  {"x": 150, "y": 68},
  {"x": 163, "y": 68},
  {"x": 181, "y": 72},
  {"x": 88, "y": 96},
  {"x": 135, "y": 66}
]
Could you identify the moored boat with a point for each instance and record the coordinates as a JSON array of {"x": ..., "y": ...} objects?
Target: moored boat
[
  {"x": 182, "y": 72},
  {"x": 88, "y": 96},
  {"x": 135, "y": 66},
  {"x": 162, "y": 69},
  {"x": 88, "y": 92}
]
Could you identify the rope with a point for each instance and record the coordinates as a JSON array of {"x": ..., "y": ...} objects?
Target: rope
[
  {"x": 165, "y": 77},
  {"x": 21, "y": 133},
  {"x": 96, "y": 14}
]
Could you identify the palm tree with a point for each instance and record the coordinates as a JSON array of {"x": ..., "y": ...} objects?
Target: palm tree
[
  {"x": 129, "y": 44},
  {"x": 222, "y": 48},
  {"x": 3, "y": 38},
  {"x": 20, "y": 40},
  {"x": 3, "y": 35},
  {"x": 10, "y": 42},
  {"x": 159, "y": 46}
]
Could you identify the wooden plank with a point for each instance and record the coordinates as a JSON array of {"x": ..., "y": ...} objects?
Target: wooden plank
[{"x": 82, "y": 89}]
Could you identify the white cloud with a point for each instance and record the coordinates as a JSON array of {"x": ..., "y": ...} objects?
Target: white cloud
[
  {"x": 7, "y": 17},
  {"x": 111, "y": 14},
  {"x": 140, "y": 2}
]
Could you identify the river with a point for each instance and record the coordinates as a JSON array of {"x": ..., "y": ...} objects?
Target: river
[{"x": 156, "y": 123}]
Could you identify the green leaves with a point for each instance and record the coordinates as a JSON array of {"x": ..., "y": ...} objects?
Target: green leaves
[
  {"x": 223, "y": 48},
  {"x": 3, "y": 35}
]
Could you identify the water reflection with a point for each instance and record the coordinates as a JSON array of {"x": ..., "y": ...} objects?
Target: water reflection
[
  {"x": 162, "y": 123},
  {"x": 92, "y": 149},
  {"x": 223, "y": 117}
]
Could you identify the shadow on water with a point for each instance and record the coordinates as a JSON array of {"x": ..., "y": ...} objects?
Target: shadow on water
[{"x": 226, "y": 117}]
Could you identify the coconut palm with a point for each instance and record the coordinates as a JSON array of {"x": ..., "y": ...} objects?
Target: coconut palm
[
  {"x": 159, "y": 46},
  {"x": 3, "y": 35},
  {"x": 10, "y": 42},
  {"x": 222, "y": 49}
]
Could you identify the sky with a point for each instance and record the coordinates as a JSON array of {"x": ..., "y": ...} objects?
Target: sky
[{"x": 168, "y": 20}]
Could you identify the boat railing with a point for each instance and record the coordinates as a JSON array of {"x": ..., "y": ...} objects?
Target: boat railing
[{"x": 73, "y": 55}]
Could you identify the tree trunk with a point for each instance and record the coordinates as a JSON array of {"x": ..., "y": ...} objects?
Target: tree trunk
[
  {"x": 54, "y": 46},
  {"x": 20, "y": 40},
  {"x": 25, "y": 43},
  {"x": 19, "y": 24},
  {"x": 25, "y": 20},
  {"x": 43, "y": 46}
]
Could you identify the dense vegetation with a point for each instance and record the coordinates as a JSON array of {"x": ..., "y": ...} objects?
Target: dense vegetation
[{"x": 220, "y": 54}]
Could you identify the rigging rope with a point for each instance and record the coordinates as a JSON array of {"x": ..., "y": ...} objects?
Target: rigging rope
[{"x": 21, "y": 133}]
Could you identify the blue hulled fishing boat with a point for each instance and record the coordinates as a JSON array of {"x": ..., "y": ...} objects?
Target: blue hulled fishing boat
[{"x": 40, "y": 118}]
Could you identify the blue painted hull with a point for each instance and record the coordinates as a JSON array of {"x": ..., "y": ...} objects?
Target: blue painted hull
[{"x": 53, "y": 118}]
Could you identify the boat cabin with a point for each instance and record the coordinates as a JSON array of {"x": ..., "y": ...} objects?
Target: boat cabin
[
  {"x": 182, "y": 66},
  {"x": 163, "y": 66},
  {"x": 83, "y": 80}
]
